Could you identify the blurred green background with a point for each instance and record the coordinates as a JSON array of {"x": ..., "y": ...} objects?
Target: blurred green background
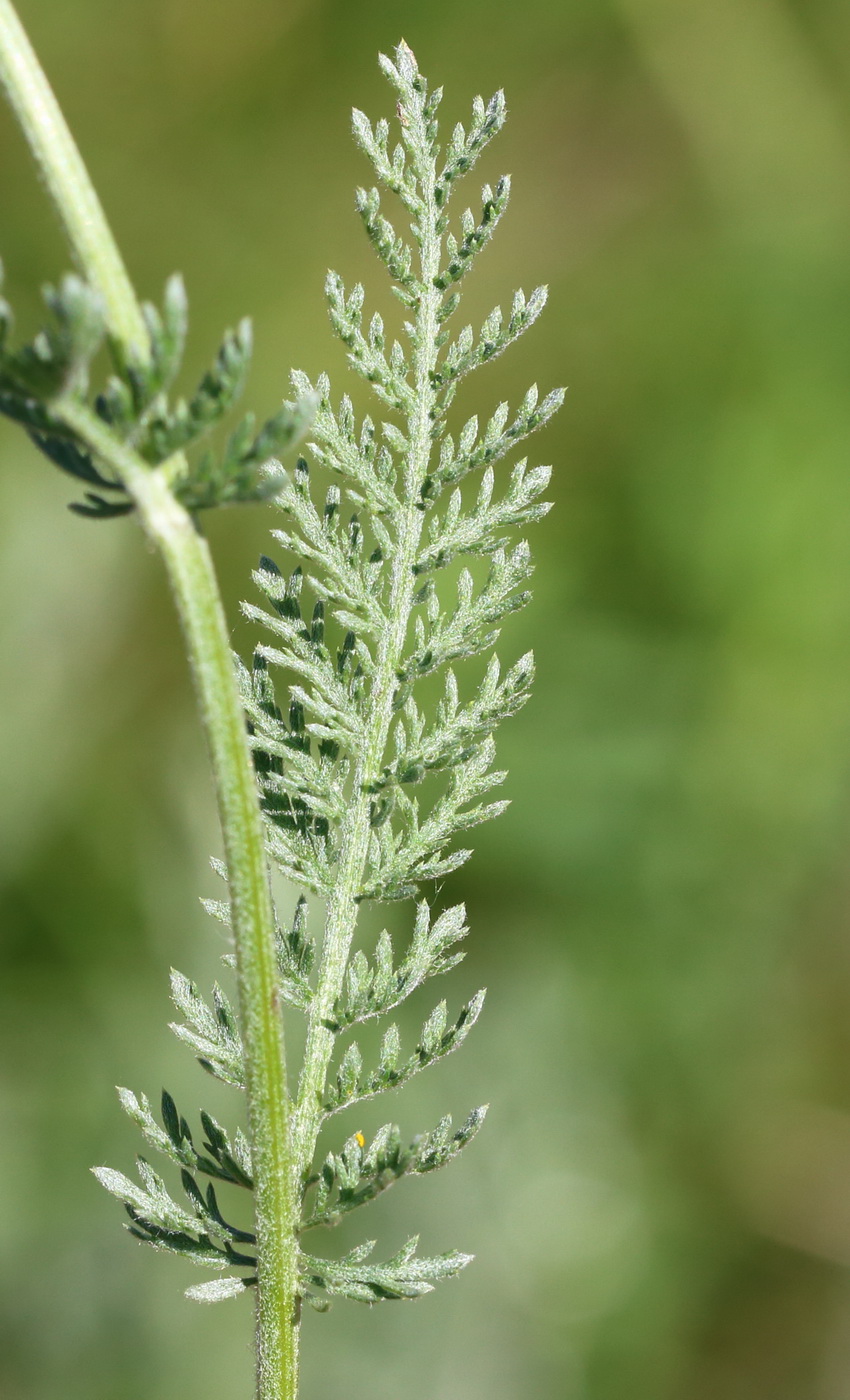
[{"x": 660, "y": 1204}]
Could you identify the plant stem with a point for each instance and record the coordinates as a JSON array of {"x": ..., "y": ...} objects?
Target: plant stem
[
  {"x": 192, "y": 576},
  {"x": 341, "y": 918},
  {"x": 69, "y": 185},
  {"x": 190, "y": 569}
]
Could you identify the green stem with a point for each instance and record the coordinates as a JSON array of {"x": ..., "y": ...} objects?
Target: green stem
[
  {"x": 343, "y": 902},
  {"x": 69, "y": 185},
  {"x": 190, "y": 569}
]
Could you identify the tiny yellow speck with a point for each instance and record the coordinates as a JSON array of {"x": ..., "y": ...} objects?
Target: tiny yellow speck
[{"x": 360, "y": 1140}]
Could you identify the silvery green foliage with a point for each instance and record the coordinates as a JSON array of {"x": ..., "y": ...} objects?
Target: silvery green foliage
[
  {"x": 365, "y": 788},
  {"x": 135, "y": 403}
]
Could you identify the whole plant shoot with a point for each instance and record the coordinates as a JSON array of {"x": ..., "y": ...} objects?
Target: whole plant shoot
[{"x": 394, "y": 562}]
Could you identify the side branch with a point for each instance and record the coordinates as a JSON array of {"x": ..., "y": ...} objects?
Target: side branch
[
  {"x": 34, "y": 104},
  {"x": 190, "y": 569}
]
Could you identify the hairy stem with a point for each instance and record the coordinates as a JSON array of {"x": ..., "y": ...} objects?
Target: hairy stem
[
  {"x": 192, "y": 576},
  {"x": 69, "y": 185},
  {"x": 342, "y": 908}
]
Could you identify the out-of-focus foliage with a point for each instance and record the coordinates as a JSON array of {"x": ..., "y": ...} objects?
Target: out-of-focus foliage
[{"x": 673, "y": 867}]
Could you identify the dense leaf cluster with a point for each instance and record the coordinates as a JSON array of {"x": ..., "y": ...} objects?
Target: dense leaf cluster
[{"x": 135, "y": 405}]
